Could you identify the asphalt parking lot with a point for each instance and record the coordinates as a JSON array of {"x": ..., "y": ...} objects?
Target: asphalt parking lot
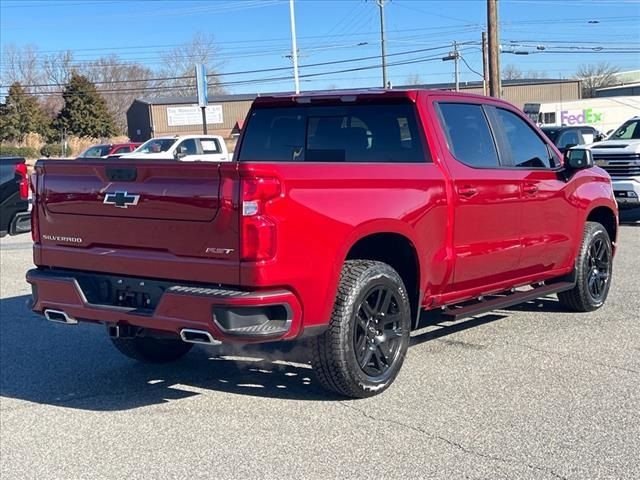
[{"x": 533, "y": 392}]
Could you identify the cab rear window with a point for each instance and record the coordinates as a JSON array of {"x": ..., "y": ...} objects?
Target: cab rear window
[{"x": 357, "y": 133}]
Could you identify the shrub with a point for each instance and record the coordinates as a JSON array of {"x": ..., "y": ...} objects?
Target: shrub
[
  {"x": 54, "y": 150},
  {"x": 11, "y": 151}
]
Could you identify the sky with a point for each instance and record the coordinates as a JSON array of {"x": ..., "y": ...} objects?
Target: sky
[{"x": 255, "y": 34}]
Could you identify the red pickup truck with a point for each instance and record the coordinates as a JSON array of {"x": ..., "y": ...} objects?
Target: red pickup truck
[{"x": 341, "y": 218}]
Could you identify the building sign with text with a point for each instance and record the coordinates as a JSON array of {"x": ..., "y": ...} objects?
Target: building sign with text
[{"x": 192, "y": 115}]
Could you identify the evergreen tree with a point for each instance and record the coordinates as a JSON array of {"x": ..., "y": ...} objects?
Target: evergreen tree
[
  {"x": 85, "y": 112},
  {"x": 21, "y": 114}
]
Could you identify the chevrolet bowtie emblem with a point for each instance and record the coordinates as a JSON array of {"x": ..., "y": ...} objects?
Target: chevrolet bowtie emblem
[{"x": 121, "y": 199}]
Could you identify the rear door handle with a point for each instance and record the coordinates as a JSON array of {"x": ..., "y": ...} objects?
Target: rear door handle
[
  {"x": 467, "y": 191},
  {"x": 530, "y": 188}
]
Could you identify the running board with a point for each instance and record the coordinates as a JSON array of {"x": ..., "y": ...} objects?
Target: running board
[{"x": 453, "y": 312}]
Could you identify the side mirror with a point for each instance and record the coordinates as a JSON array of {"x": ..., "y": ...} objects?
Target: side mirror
[
  {"x": 181, "y": 151},
  {"x": 578, "y": 159}
]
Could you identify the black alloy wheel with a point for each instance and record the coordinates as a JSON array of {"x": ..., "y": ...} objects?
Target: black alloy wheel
[
  {"x": 599, "y": 260},
  {"x": 378, "y": 331}
]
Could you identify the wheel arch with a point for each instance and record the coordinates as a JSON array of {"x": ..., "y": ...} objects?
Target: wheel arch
[
  {"x": 606, "y": 217},
  {"x": 396, "y": 250}
]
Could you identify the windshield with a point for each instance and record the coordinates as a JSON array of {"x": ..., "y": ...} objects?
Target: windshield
[
  {"x": 628, "y": 131},
  {"x": 96, "y": 151},
  {"x": 156, "y": 145}
]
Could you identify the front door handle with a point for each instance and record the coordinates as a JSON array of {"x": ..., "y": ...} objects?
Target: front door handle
[
  {"x": 530, "y": 188},
  {"x": 467, "y": 191}
]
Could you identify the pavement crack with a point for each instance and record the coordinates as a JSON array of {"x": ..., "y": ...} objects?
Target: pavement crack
[
  {"x": 453, "y": 443},
  {"x": 575, "y": 357}
]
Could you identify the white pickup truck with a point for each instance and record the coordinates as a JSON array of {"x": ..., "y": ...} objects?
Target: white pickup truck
[
  {"x": 619, "y": 155},
  {"x": 186, "y": 148}
]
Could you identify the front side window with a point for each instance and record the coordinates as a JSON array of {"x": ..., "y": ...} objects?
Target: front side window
[
  {"x": 97, "y": 151},
  {"x": 522, "y": 146},
  {"x": 156, "y": 145},
  {"x": 122, "y": 150},
  {"x": 188, "y": 147},
  {"x": 355, "y": 133},
  {"x": 468, "y": 134},
  {"x": 569, "y": 138}
]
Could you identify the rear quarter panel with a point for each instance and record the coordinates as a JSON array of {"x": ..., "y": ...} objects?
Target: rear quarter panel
[{"x": 327, "y": 207}]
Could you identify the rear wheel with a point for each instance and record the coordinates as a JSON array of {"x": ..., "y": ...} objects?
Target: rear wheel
[
  {"x": 364, "y": 347},
  {"x": 593, "y": 271},
  {"x": 152, "y": 350}
]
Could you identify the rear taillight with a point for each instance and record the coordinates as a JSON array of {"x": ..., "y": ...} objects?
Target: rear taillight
[
  {"x": 21, "y": 171},
  {"x": 35, "y": 232},
  {"x": 258, "y": 237}
]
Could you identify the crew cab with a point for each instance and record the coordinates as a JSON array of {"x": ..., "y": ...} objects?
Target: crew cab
[
  {"x": 342, "y": 217},
  {"x": 14, "y": 196},
  {"x": 619, "y": 155},
  {"x": 187, "y": 148}
]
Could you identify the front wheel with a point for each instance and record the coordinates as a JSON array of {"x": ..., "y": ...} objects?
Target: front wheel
[
  {"x": 364, "y": 347},
  {"x": 593, "y": 271},
  {"x": 152, "y": 350}
]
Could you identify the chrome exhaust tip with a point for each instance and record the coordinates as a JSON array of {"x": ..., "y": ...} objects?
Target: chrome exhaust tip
[
  {"x": 58, "y": 316},
  {"x": 198, "y": 336}
]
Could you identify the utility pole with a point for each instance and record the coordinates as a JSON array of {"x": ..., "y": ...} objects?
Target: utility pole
[
  {"x": 495, "y": 86},
  {"x": 382, "y": 42},
  {"x": 456, "y": 58},
  {"x": 485, "y": 65},
  {"x": 294, "y": 47}
]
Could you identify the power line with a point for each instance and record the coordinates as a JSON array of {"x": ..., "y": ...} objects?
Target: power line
[
  {"x": 246, "y": 72},
  {"x": 249, "y": 82}
]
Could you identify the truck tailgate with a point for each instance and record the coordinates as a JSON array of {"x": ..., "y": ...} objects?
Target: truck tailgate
[{"x": 144, "y": 218}]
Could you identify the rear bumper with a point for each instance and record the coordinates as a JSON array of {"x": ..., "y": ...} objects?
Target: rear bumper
[
  {"x": 21, "y": 223},
  {"x": 229, "y": 315}
]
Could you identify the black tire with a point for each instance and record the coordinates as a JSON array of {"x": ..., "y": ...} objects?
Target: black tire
[
  {"x": 367, "y": 327},
  {"x": 592, "y": 272},
  {"x": 152, "y": 350}
]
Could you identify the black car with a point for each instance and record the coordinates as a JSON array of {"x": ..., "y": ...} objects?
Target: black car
[
  {"x": 14, "y": 196},
  {"x": 566, "y": 137}
]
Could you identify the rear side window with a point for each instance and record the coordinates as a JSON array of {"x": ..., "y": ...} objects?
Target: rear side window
[
  {"x": 468, "y": 134},
  {"x": 522, "y": 147},
  {"x": 356, "y": 133},
  {"x": 209, "y": 145}
]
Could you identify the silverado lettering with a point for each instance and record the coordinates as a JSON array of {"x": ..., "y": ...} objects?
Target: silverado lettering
[
  {"x": 343, "y": 217},
  {"x": 57, "y": 238}
]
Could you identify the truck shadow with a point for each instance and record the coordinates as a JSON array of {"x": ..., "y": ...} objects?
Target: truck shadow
[{"x": 77, "y": 367}]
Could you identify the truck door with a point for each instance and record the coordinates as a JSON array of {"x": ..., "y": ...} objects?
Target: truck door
[
  {"x": 487, "y": 210},
  {"x": 549, "y": 220}
]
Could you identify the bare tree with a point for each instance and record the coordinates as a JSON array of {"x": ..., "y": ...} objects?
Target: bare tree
[
  {"x": 536, "y": 74},
  {"x": 21, "y": 64},
  {"x": 511, "y": 72},
  {"x": 596, "y": 76},
  {"x": 120, "y": 84},
  {"x": 180, "y": 62},
  {"x": 414, "y": 79}
]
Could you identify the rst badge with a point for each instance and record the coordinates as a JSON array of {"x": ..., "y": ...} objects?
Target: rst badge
[{"x": 121, "y": 199}]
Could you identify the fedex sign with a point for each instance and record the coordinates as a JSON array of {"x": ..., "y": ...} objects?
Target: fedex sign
[{"x": 580, "y": 117}]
